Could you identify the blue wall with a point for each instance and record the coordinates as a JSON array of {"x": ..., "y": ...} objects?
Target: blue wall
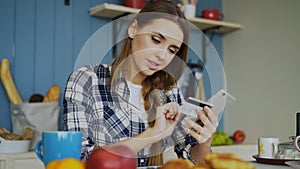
[{"x": 42, "y": 39}]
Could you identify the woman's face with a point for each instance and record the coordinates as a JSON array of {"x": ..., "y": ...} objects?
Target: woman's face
[{"x": 153, "y": 47}]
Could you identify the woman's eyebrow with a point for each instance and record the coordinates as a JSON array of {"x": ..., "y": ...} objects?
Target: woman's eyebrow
[{"x": 161, "y": 35}]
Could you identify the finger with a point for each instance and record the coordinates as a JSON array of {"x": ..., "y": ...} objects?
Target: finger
[
  {"x": 206, "y": 132},
  {"x": 194, "y": 125},
  {"x": 171, "y": 110},
  {"x": 208, "y": 124},
  {"x": 206, "y": 121},
  {"x": 202, "y": 115},
  {"x": 200, "y": 138},
  {"x": 208, "y": 117},
  {"x": 177, "y": 117},
  {"x": 201, "y": 130},
  {"x": 211, "y": 115}
]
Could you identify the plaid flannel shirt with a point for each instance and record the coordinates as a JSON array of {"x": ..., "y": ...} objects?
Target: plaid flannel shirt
[{"x": 103, "y": 115}]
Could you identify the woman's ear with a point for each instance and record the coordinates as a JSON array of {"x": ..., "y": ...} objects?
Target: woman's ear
[{"x": 132, "y": 29}]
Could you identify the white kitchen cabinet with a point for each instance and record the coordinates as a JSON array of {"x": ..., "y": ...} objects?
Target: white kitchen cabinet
[{"x": 27, "y": 160}]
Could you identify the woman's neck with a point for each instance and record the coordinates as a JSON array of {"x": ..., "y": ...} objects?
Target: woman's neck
[{"x": 133, "y": 74}]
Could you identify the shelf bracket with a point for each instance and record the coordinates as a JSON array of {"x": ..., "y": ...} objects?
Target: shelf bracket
[{"x": 211, "y": 29}]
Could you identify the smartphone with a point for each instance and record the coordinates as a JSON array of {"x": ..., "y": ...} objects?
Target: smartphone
[
  {"x": 217, "y": 103},
  {"x": 221, "y": 100}
]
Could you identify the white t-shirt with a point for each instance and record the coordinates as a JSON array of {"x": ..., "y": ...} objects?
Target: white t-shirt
[{"x": 136, "y": 99}]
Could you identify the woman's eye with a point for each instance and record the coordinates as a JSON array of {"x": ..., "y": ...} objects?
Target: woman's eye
[
  {"x": 172, "y": 51},
  {"x": 155, "y": 39}
]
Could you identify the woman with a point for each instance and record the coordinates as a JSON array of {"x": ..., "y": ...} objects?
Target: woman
[{"x": 135, "y": 101}]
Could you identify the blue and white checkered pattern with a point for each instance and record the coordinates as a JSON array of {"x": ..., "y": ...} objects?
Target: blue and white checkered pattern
[{"x": 103, "y": 115}]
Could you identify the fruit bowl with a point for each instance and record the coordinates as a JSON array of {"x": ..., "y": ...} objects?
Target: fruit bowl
[{"x": 14, "y": 146}]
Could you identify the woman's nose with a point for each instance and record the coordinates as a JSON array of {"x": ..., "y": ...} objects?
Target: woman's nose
[{"x": 161, "y": 53}]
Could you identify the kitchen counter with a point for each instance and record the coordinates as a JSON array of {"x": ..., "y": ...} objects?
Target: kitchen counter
[
  {"x": 245, "y": 151},
  {"x": 29, "y": 160}
]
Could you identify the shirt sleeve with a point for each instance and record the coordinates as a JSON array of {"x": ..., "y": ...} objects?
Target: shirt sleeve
[{"x": 78, "y": 108}]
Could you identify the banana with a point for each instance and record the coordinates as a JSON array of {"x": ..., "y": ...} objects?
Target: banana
[{"x": 8, "y": 83}]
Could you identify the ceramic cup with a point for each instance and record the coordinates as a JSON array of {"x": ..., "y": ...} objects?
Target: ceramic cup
[
  {"x": 56, "y": 145},
  {"x": 135, "y": 3},
  {"x": 213, "y": 14},
  {"x": 267, "y": 147},
  {"x": 189, "y": 11}
]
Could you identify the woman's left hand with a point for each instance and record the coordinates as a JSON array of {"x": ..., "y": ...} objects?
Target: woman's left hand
[{"x": 202, "y": 132}]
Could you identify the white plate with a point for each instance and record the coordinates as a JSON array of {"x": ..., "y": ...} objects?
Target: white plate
[{"x": 294, "y": 164}]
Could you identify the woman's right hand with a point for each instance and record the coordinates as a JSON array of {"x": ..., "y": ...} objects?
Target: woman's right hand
[{"x": 167, "y": 117}]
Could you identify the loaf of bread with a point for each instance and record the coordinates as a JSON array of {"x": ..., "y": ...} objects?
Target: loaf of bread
[
  {"x": 8, "y": 83},
  {"x": 52, "y": 94},
  {"x": 178, "y": 164},
  {"x": 27, "y": 134},
  {"x": 226, "y": 161}
]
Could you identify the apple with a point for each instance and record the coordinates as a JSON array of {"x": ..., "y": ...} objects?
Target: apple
[
  {"x": 115, "y": 157},
  {"x": 239, "y": 136}
]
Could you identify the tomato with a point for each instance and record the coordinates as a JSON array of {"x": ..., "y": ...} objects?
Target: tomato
[
  {"x": 239, "y": 136},
  {"x": 115, "y": 157}
]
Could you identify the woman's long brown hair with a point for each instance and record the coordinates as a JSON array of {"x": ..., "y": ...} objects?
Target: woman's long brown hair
[{"x": 163, "y": 79}]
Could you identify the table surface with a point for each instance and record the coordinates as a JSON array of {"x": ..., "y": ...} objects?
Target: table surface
[
  {"x": 33, "y": 157},
  {"x": 269, "y": 166}
]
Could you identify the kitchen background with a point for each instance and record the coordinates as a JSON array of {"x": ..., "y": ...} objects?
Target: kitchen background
[
  {"x": 42, "y": 39},
  {"x": 262, "y": 65}
]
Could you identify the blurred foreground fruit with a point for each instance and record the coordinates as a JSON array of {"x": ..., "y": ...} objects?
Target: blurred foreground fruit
[
  {"x": 221, "y": 138},
  {"x": 213, "y": 160},
  {"x": 67, "y": 163},
  {"x": 239, "y": 136},
  {"x": 116, "y": 157}
]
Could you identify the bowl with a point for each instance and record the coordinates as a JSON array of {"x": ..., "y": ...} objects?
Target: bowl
[{"x": 14, "y": 146}]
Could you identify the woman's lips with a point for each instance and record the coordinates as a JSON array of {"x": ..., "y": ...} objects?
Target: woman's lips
[{"x": 152, "y": 65}]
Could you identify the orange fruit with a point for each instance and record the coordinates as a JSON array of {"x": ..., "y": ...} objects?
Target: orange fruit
[
  {"x": 52, "y": 164},
  {"x": 67, "y": 163}
]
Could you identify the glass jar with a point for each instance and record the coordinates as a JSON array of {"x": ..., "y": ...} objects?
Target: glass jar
[{"x": 287, "y": 150}]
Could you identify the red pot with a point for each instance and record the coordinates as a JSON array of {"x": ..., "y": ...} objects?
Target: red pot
[{"x": 135, "y": 3}]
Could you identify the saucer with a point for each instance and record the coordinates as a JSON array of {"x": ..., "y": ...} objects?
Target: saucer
[{"x": 274, "y": 160}]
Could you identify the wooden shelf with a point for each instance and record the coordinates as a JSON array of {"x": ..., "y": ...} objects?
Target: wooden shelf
[{"x": 113, "y": 11}]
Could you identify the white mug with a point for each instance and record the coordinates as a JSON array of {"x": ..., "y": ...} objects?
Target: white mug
[
  {"x": 267, "y": 147},
  {"x": 296, "y": 140},
  {"x": 189, "y": 11}
]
